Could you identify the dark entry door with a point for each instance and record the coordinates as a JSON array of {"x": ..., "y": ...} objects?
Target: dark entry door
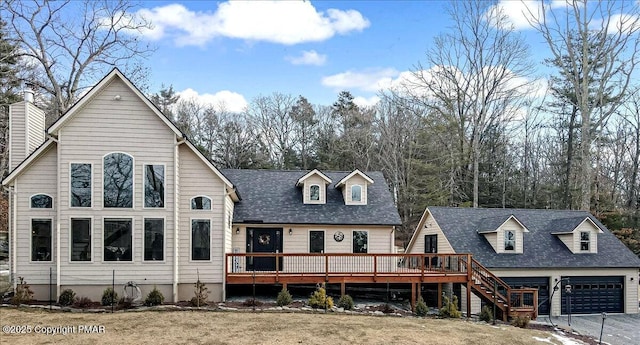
[
  {"x": 264, "y": 240},
  {"x": 431, "y": 247}
]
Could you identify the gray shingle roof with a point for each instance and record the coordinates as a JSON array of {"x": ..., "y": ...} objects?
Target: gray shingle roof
[
  {"x": 271, "y": 196},
  {"x": 541, "y": 248}
]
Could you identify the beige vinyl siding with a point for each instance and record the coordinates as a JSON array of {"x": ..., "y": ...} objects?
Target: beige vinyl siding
[
  {"x": 567, "y": 239},
  {"x": 39, "y": 178},
  {"x": 35, "y": 124},
  {"x": 444, "y": 247},
  {"x": 197, "y": 179},
  {"x": 514, "y": 226},
  {"x": 17, "y": 134},
  {"x": 492, "y": 238},
  {"x": 630, "y": 287},
  {"x": 346, "y": 190},
  {"x": 229, "y": 207},
  {"x": 317, "y": 180},
  {"x": 105, "y": 125}
]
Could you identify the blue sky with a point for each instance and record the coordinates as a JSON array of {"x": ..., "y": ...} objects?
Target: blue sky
[{"x": 235, "y": 51}]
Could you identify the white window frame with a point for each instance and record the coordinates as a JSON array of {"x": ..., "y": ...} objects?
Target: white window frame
[
  {"x": 203, "y": 210},
  {"x": 324, "y": 240},
  {"x": 42, "y": 208},
  {"x": 133, "y": 183},
  {"x": 91, "y": 182},
  {"x": 144, "y": 183},
  {"x": 588, "y": 242},
  {"x": 319, "y": 193},
  {"x": 351, "y": 196},
  {"x": 133, "y": 239},
  {"x": 91, "y": 241},
  {"x": 515, "y": 241},
  {"x": 164, "y": 240},
  {"x": 48, "y": 262},
  {"x": 353, "y": 237},
  {"x": 191, "y": 239}
]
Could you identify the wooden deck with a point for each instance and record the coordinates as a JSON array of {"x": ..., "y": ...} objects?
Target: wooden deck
[{"x": 414, "y": 269}]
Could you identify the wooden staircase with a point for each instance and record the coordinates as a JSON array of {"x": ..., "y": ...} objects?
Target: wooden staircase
[{"x": 509, "y": 302}]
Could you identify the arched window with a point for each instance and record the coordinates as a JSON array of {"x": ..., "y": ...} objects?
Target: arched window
[
  {"x": 314, "y": 192},
  {"x": 200, "y": 203},
  {"x": 356, "y": 193},
  {"x": 118, "y": 180},
  {"x": 41, "y": 201}
]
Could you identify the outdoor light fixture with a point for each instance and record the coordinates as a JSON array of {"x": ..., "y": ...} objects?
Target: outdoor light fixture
[
  {"x": 237, "y": 231},
  {"x": 117, "y": 98},
  {"x": 290, "y": 232}
]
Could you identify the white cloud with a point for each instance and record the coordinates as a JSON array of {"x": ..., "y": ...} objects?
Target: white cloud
[
  {"x": 368, "y": 80},
  {"x": 624, "y": 23},
  {"x": 310, "y": 57},
  {"x": 366, "y": 102},
  {"x": 283, "y": 22},
  {"x": 227, "y": 100},
  {"x": 520, "y": 13}
]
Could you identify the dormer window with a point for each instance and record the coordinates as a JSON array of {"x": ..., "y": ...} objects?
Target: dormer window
[
  {"x": 509, "y": 240},
  {"x": 584, "y": 241},
  {"x": 356, "y": 193},
  {"x": 314, "y": 192}
]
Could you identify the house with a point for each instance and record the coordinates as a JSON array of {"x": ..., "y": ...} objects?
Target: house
[
  {"x": 113, "y": 191},
  {"x": 574, "y": 261}
]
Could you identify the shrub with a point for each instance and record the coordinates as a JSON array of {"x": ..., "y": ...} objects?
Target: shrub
[
  {"x": 486, "y": 314},
  {"x": 154, "y": 297},
  {"x": 284, "y": 298},
  {"x": 345, "y": 302},
  {"x": 67, "y": 297},
  {"x": 251, "y": 302},
  {"x": 421, "y": 307},
  {"x": 450, "y": 308},
  {"x": 125, "y": 303},
  {"x": 82, "y": 302},
  {"x": 201, "y": 294},
  {"x": 23, "y": 293},
  {"x": 320, "y": 300},
  {"x": 522, "y": 322},
  {"x": 109, "y": 297}
]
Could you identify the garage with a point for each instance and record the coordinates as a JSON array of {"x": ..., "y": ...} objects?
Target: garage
[
  {"x": 540, "y": 283},
  {"x": 593, "y": 295}
]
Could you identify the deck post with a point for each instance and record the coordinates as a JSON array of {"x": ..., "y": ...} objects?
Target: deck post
[
  {"x": 277, "y": 266},
  {"x": 375, "y": 268},
  {"x": 326, "y": 267},
  {"x": 439, "y": 295},
  {"x": 468, "y": 299},
  {"x": 413, "y": 296},
  {"x": 343, "y": 288}
]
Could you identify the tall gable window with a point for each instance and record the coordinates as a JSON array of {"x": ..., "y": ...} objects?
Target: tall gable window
[
  {"x": 200, "y": 203},
  {"x": 41, "y": 201},
  {"x": 118, "y": 240},
  {"x": 41, "y": 240},
  {"x": 585, "y": 239},
  {"x": 80, "y": 185},
  {"x": 118, "y": 180},
  {"x": 356, "y": 193},
  {"x": 509, "y": 240},
  {"x": 360, "y": 241},
  {"x": 154, "y": 186},
  {"x": 81, "y": 239},
  {"x": 314, "y": 192},
  {"x": 200, "y": 239}
]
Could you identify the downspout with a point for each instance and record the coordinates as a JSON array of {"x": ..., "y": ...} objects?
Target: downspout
[
  {"x": 13, "y": 265},
  {"x": 58, "y": 254},
  {"x": 176, "y": 219},
  {"x": 393, "y": 240}
]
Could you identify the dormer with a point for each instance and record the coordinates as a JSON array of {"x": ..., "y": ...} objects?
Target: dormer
[
  {"x": 504, "y": 233},
  {"x": 314, "y": 187},
  {"x": 354, "y": 188},
  {"x": 579, "y": 234}
]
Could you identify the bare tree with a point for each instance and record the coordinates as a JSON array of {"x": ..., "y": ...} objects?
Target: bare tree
[
  {"x": 476, "y": 78},
  {"x": 73, "y": 43},
  {"x": 599, "y": 41}
]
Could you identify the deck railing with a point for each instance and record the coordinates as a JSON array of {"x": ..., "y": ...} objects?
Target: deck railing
[{"x": 302, "y": 264}]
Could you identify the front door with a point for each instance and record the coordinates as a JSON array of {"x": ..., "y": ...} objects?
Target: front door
[
  {"x": 264, "y": 240},
  {"x": 431, "y": 247}
]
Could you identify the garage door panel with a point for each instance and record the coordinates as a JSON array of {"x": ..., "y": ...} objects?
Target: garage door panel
[
  {"x": 593, "y": 295},
  {"x": 540, "y": 283}
]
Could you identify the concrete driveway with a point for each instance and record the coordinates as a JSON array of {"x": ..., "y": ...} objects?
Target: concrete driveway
[{"x": 619, "y": 329}]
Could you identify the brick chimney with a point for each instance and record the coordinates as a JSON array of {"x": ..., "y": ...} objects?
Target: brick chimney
[{"x": 26, "y": 129}]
